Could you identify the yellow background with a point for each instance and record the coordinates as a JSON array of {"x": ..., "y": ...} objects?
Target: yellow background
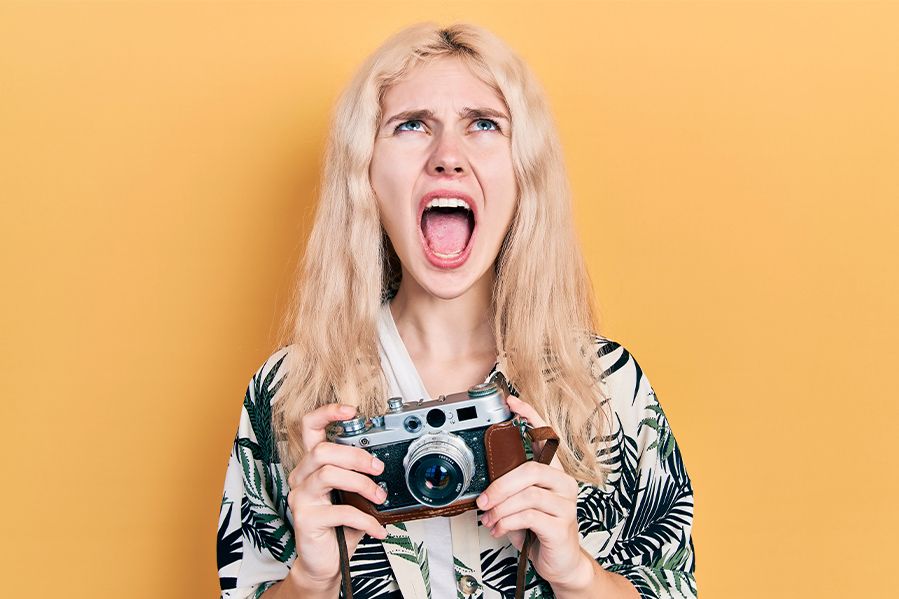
[{"x": 735, "y": 173}]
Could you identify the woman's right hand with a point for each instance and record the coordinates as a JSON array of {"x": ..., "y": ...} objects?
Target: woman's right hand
[{"x": 326, "y": 466}]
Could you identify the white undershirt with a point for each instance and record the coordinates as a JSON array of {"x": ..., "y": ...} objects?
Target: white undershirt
[
  {"x": 439, "y": 542},
  {"x": 403, "y": 380}
]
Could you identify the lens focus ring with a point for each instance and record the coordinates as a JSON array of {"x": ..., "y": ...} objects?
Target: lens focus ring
[{"x": 439, "y": 468}]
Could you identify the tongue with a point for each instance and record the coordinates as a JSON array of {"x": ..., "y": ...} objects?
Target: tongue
[{"x": 446, "y": 232}]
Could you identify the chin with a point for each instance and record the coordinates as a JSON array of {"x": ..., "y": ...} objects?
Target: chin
[
  {"x": 447, "y": 288},
  {"x": 446, "y": 285}
]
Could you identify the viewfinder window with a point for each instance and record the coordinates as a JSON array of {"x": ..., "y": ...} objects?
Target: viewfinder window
[{"x": 469, "y": 413}]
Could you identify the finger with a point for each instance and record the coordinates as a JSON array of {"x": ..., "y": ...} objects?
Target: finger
[
  {"x": 543, "y": 525},
  {"x": 343, "y": 456},
  {"x": 526, "y": 410},
  {"x": 531, "y": 498},
  {"x": 525, "y": 475},
  {"x": 516, "y": 537},
  {"x": 319, "y": 520},
  {"x": 320, "y": 483},
  {"x": 353, "y": 537},
  {"x": 313, "y": 424}
]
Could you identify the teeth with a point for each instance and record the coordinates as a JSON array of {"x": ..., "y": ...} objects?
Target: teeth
[
  {"x": 439, "y": 255},
  {"x": 448, "y": 203}
]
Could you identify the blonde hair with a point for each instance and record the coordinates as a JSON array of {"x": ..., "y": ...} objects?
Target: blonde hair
[{"x": 542, "y": 314}]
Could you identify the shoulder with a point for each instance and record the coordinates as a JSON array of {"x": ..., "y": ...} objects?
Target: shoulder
[
  {"x": 639, "y": 420},
  {"x": 269, "y": 376},
  {"x": 617, "y": 369},
  {"x": 625, "y": 387},
  {"x": 255, "y": 428},
  {"x": 256, "y": 410}
]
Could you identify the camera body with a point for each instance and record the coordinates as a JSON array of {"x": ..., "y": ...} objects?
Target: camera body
[{"x": 438, "y": 454}]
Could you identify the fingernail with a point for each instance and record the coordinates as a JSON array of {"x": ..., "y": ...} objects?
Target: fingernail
[
  {"x": 347, "y": 409},
  {"x": 485, "y": 520},
  {"x": 482, "y": 500},
  {"x": 383, "y": 533},
  {"x": 376, "y": 464},
  {"x": 382, "y": 495}
]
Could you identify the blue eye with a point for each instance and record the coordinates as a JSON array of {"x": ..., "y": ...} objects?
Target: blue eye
[
  {"x": 496, "y": 126},
  {"x": 406, "y": 123},
  {"x": 492, "y": 122}
]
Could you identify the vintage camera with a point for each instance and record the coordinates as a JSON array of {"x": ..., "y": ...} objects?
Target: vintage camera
[{"x": 438, "y": 454}]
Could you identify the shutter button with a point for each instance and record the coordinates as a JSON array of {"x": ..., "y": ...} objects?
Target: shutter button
[{"x": 468, "y": 585}]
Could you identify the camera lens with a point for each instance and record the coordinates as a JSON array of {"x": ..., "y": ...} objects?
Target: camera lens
[
  {"x": 437, "y": 477},
  {"x": 439, "y": 468}
]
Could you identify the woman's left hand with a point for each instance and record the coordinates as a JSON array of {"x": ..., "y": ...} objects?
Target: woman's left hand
[{"x": 542, "y": 498}]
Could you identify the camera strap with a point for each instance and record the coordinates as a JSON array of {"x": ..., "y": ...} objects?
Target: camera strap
[
  {"x": 550, "y": 445},
  {"x": 344, "y": 563}
]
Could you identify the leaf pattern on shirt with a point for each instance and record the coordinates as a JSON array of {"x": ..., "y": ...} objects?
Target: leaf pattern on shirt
[{"x": 637, "y": 524}]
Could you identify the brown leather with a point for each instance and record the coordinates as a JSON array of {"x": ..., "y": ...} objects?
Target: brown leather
[
  {"x": 363, "y": 504},
  {"x": 543, "y": 433},
  {"x": 505, "y": 451},
  {"x": 550, "y": 445},
  {"x": 344, "y": 563}
]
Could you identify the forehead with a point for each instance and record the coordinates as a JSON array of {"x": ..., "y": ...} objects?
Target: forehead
[{"x": 440, "y": 82}]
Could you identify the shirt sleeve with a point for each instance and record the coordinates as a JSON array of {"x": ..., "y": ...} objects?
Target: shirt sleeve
[
  {"x": 255, "y": 540},
  {"x": 639, "y": 524}
]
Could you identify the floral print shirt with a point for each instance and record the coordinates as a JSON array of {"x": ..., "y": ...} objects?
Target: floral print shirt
[{"x": 637, "y": 524}]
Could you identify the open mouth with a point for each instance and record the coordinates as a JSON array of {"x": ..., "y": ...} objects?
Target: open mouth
[{"x": 447, "y": 229}]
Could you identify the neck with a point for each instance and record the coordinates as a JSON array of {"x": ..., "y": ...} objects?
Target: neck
[{"x": 434, "y": 328}]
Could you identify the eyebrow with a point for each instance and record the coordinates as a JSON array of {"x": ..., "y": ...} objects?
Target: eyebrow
[{"x": 466, "y": 112}]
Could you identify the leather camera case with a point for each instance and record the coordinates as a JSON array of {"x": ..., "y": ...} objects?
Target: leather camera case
[{"x": 504, "y": 450}]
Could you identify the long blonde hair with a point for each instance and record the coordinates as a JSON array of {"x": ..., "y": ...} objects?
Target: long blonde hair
[{"x": 543, "y": 315}]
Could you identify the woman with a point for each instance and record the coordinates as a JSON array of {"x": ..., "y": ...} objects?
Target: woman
[{"x": 443, "y": 253}]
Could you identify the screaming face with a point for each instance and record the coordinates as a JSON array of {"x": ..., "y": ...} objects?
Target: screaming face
[{"x": 442, "y": 173}]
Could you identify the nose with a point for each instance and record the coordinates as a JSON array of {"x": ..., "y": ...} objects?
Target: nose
[{"x": 447, "y": 156}]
